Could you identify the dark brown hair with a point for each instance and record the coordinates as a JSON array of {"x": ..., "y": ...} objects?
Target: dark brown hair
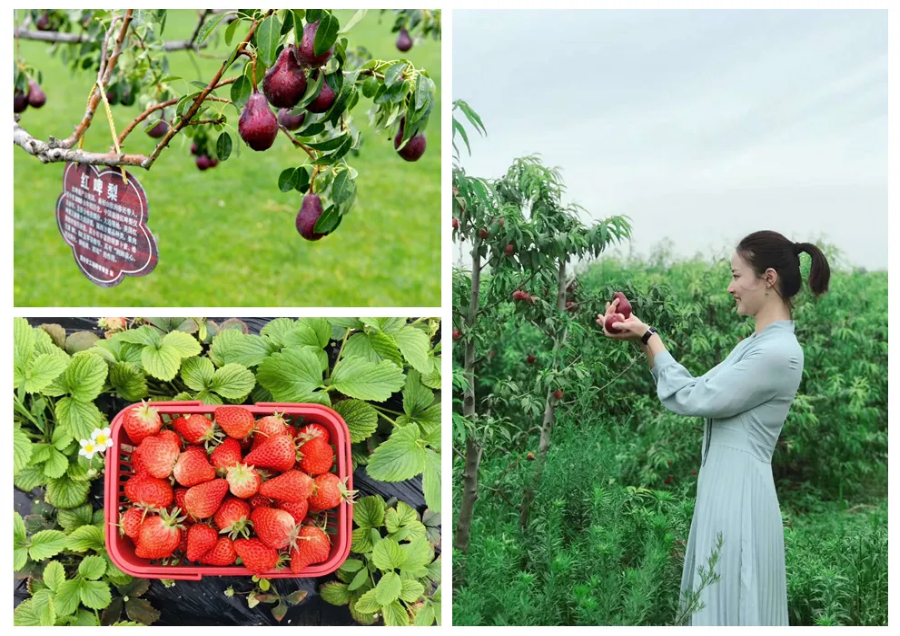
[{"x": 767, "y": 249}]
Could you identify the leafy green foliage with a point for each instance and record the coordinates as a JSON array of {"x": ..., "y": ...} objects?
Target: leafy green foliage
[
  {"x": 605, "y": 542},
  {"x": 395, "y": 577}
]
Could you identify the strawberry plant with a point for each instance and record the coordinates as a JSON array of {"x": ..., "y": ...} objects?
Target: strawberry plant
[
  {"x": 298, "y": 61},
  {"x": 379, "y": 374},
  {"x": 396, "y": 578}
]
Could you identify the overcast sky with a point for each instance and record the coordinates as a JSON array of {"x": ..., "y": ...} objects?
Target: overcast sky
[{"x": 702, "y": 126}]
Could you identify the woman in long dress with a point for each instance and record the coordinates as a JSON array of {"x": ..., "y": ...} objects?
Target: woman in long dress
[{"x": 744, "y": 402}]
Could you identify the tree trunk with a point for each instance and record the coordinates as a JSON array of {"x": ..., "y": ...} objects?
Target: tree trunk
[
  {"x": 549, "y": 407},
  {"x": 473, "y": 444}
]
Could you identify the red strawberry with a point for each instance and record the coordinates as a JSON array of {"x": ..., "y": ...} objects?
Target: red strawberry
[
  {"x": 298, "y": 509},
  {"x": 171, "y": 435},
  {"x": 315, "y": 430},
  {"x": 328, "y": 492},
  {"x": 318, "y": 456},
  {"x": 258, "y": 500},
  {"x": 183, "y": 544},
  {"x": 233, "y": 517},
  {"x": 203, "y": 500},
  {"x": 236, "y": 421},
  {"x": 179, "y": 497},
  {"x": 159, "y": 537},
  {"x": 130, "y": 522},
  {"x": 149, "y": 491},
  {"x": 273, "y": 526},
  {"x": 226, "y": 454},
  {"x": 140, "y": 421},
  {"x": 196, "y": 428},
  {"x": 201, "y": 538},
  {"x": 221, "y": 554},
  {"x": 243, "y": 481},
  {"x": 312, "y": 545},
  {"x": 292, "y": 430},
  {"x": 278, "y": 453},
  {"x": 136, "y": 464},
  {"x": 290, "y": 486},
  {"x": 193, "y": 467},
  {"x": 158, "y": 456},
  {"x": 256, "y": 556},
  {"x": 267, "y": 428}
]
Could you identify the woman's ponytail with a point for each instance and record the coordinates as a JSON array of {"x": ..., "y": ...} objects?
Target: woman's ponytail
[{"x": 819, "y": 271}]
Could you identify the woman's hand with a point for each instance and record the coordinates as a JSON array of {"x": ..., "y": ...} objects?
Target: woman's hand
[{"x": 631, "y": 328}]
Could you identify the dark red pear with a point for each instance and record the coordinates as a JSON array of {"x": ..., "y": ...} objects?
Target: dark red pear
[
  {"x": 285, "y": 83},
  {"x": 202, "y": 162},
  {"x": 404, "y": 42},
  {"x": 112, "y": 98},
  {"x": 159, "y": 130},
  {"x": 306, "y": 53},
  {"x": 258, "y": 125},
  {"x": 310, "y": 211},
  {"x": 213, "y": 162},
  {"x": 323, "y": 100},
  {"x": 20, "y": 102},
  {"x": 194, "y": 148},
  {"x": 414, "y": 148},
  {"x": 624, "y": 307},
  {"x": 43, "y": 22},
  {"x": 291, "y": 122},
  {"x": 36, "y": 95}
]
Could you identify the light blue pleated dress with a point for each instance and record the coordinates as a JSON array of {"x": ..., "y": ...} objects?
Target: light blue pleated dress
[{"x": 744, "y": 401}]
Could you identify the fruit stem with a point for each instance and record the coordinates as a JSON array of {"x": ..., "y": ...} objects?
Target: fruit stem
[
  {"x": 253, "y": 70},
  {"x": 394, "y": 422},
  {"x": 346, "y": 335}
]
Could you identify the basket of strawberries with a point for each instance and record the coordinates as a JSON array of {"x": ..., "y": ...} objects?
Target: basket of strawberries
[{"x": 196, "y": 490}]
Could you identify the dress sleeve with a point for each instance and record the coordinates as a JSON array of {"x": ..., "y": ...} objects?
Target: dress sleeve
[{"x": 753, "y": 380}]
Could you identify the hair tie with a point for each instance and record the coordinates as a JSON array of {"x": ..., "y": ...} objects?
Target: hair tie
[{"x": 798, "y": 247}]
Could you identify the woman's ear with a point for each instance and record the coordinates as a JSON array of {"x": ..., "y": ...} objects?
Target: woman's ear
[{"x": 771, "y": 277}]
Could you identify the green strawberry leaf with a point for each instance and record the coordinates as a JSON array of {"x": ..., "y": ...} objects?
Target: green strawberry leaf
[
  {"x": 22, "y": 449},
  {"x": 415, "y": 345},
  {"x": 128, "y": 381},
  {"x": 160, "y": 361},
  {"x": 86, "y": 538},
  {"x": 364, "y": 380},
  {"x": 92, "y": 567},
  {"x": 431, "y": 480},
  {"x": 277, "y": 329},
  {"x": 395, "y": 615},
  {"x": 388, "y": 555},
  {"x": 47, "y": 543},
  {"x": 233, "y": 381},
  {"x": 45, "y": 368},
  {"x": 335, "y": 593},
  {"x": 361, "y": 418},
  {"x": 368, "y": 512},
  {"x": 416, "y": 397},
  {"x": 197, "y": 373},
  {"x": 67, "y": 493},
  {"x": 293, "y": 375},
  {"x": 367, "y": 603},
  {"x": 54, "y": 575},
  {"x": 411, "y": 591},
  {"x": 388, "y": 589},
  {"x": 73, "y": 519},
  {"x": 145, "y": 335},
  {"x": 400, "y": 458},
  {"x": 84, "y": 377},
  {"x": 95, "y": 594},
  {"x": 78, "y": 419}
]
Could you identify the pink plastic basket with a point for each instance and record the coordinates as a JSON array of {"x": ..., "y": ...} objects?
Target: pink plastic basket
[{"x": 118, "y": 471}]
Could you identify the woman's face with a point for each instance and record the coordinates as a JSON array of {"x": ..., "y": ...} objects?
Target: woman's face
[{"x": 748, "y": 289}]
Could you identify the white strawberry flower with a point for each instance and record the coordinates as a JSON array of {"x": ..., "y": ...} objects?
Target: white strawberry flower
[
  {"x": 88, "y": 448},
  {"x": 102, "y": 438}
]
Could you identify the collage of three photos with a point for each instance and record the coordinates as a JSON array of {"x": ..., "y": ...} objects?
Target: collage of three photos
[{"x": 665, "y": 394}]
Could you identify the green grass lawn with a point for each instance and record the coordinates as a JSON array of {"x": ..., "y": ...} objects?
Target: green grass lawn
[{"x": 226, "y": 236}]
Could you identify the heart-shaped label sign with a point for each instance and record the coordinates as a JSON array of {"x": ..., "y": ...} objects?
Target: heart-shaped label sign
[{"x": 104, "y": 220}]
